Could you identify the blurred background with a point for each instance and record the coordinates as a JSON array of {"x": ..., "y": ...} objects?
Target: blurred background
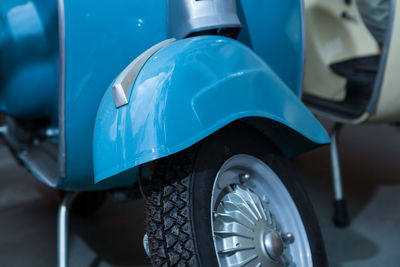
[{"x": 113, "y": 236}]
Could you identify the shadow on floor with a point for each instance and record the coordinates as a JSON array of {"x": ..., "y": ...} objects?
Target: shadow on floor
[{"x": 369, "y": 157}]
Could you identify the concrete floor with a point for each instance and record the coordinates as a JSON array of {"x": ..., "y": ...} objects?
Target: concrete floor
[
  {"x": 371, "y": 171},
  {"x": 370, "y": 161}
]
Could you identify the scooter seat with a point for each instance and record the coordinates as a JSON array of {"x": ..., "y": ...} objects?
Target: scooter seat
[
  {"x": 360, "y": 74},
  {"x": 350, "y": 67}
]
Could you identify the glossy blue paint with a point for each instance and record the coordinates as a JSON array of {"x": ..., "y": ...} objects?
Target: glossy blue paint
[
  {"x": 185, "y": 92},
  {"x": 100, "y": 39},
  {"x": 29, "y": 58},
  {"x": 274, "y": 30}
]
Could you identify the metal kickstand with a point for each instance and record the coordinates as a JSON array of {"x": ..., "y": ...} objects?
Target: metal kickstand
[
  {"x": 340, "y": 215},
  {"x": 62, "y": 228}
]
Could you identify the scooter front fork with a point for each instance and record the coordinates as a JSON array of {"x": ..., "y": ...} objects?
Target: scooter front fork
[
  {"x": 340, "y": 215},
  {"x": 62, "y": 228}
]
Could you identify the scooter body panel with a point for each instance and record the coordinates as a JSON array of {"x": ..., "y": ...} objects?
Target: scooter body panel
[
  {"x": 97, "y": 49},
  {"x": 185, "y": 92},
  {"x": 100, "y": 40},
  {"x": 275, "y": 31},
  {"x": 337, "y": 32},
  {"x": 29, "y": 59},
  {"x": 332, "y": 38}
]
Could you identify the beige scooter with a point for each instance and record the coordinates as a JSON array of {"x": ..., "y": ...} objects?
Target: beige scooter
[{"x": 347, "y": 78}]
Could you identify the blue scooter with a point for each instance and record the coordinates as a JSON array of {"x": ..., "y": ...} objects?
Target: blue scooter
[{"x": 195, "y": 103}]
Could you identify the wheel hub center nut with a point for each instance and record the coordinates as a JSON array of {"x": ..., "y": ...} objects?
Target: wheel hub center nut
[{"x": 273, "y": 244}]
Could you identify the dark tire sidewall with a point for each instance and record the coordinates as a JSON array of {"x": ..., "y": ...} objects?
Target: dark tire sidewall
[{"x": 209, "y": 159}]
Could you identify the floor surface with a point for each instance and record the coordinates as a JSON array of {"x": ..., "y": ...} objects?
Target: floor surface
[{"x": 370, "y": 157}]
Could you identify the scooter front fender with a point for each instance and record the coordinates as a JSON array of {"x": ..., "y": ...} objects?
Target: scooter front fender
[{"x": 185, "y": 92}]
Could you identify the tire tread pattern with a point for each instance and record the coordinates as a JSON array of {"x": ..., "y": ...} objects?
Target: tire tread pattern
[{"x": 168, "y": 221}]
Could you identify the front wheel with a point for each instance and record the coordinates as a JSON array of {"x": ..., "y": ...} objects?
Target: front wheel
[{"x": 231, "y": 200}]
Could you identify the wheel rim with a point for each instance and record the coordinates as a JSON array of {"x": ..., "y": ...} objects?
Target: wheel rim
[{"x": 254, "y": 220}]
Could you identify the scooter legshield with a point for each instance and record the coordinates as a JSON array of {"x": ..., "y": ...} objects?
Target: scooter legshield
[{"x": 187, "y": 91}]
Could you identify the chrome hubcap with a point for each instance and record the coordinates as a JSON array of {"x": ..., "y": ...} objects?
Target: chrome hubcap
[
  {"x": 254, "y": 220},
  {"x": 246, "y": 231},
  {"x": 273, "y": 244}
]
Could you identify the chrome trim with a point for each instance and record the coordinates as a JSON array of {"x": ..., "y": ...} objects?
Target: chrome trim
[
  {"x": 3, "y": 130},
  {"x": 303, "y": 35},
  {"x": 42, "y": 162},
  {"x": 249, "y": 201},
  {"x": 62, "y": 228},
  {"x": 336, "y": 173},
  {"x": 61, "y": 89},
  {"x": 382, "y": 65},
  {"x": 122, "y": 86},
  {"x": 189, "y": 16}
]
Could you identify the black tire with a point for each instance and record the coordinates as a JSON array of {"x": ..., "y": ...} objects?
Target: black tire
[{"x": 178, "y": 210}]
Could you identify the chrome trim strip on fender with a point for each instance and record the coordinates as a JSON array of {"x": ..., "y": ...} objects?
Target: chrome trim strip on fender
[
  {"x": 122, "y": 86},
  {"x": 61, "y": 89}
]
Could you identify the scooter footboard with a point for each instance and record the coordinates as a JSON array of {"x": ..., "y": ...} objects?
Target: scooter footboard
[{"x": 188, "y": 90}]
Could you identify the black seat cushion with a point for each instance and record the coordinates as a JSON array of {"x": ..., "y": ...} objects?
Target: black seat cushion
[{"x": 360, "y": 74}]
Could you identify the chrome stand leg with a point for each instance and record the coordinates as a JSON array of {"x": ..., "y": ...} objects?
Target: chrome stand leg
[
  {"x": 62, "y": 228},
  {"x": 340, "y": 216}
]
